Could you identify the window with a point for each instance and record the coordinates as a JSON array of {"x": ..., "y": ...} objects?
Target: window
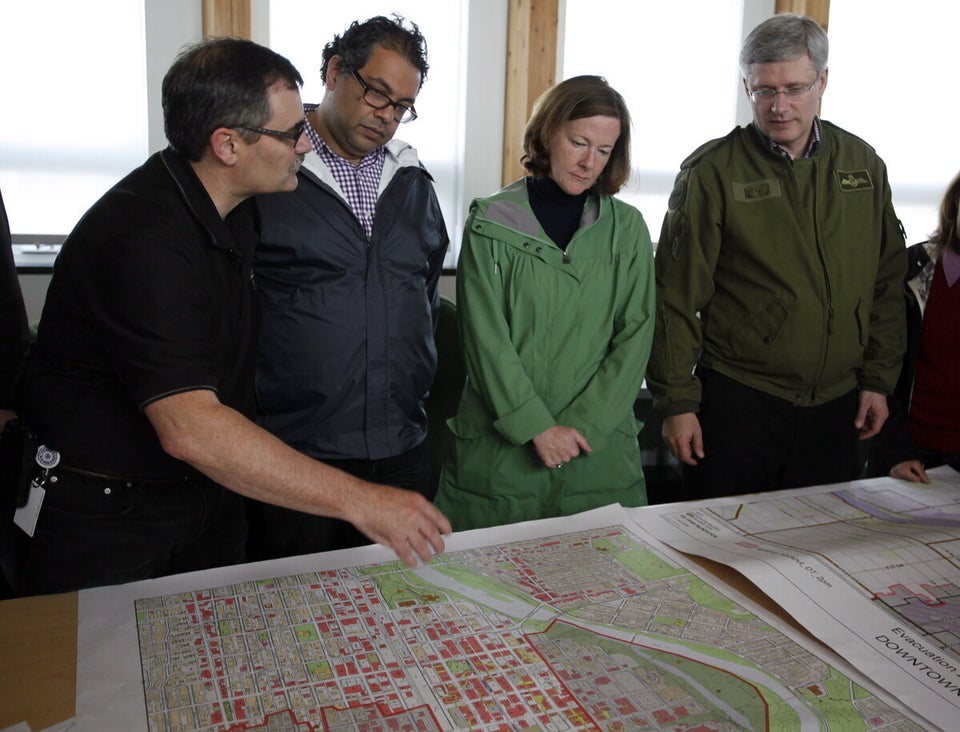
[
  {"x": 88, "y": 111},
  {"x": 681, "y": 82},
  {"x": 679, "y": 78},
  {"x": 75, "y": 106},
  {"x": 894, "y": 86}
]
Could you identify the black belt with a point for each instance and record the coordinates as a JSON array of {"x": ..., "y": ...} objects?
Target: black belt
[{"x": 119, "y": 479}]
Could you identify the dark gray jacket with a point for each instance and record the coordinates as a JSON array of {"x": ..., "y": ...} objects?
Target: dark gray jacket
[{"x": 347, "y": 353}]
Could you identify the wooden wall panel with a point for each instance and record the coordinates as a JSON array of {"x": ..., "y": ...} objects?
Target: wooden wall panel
[
  {"x": 819, "y": 10},
  {"x": 531, "y": 69},
  {"x": 226, "y": 18}
]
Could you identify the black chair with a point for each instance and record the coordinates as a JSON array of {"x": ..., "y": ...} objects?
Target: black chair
[
  {"x": 660, "y": 468},
  {"x": 447, "y": 385}
]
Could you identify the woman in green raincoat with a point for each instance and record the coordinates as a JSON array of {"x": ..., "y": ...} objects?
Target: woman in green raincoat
[{"x": 555, "y": 298}]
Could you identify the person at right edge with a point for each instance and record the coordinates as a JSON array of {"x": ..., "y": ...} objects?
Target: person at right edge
[
  {"x": 780, "y": 325},
  {"x": 924, "y": 426}
]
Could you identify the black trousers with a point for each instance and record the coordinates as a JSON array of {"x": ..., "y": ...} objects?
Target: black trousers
[
  {"x": 96, "y": 531},
  {"x": 756, "y": 442},
  {"x": 279, "y": 532}
]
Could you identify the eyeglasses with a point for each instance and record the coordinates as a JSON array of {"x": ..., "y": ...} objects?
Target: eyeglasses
[
  {"x": 378, "y": 100},
  {"x": 768, "y": 94},
  {"x": 293, "y": 133}
]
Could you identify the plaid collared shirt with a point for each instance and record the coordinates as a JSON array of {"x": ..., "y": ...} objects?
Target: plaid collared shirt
[
  {"x": 811, "y": 147},
  {"x": 359, "y": 183}
]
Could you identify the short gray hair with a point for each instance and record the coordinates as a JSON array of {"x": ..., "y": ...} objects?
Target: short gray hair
[{"x": 783, "y": 37}]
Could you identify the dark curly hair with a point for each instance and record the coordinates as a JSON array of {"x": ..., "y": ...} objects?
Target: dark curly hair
[
  {"x": 576, "y": 98},
  {"x": 358, "y": 41}
]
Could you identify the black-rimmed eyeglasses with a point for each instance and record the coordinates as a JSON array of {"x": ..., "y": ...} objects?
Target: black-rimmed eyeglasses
[
  {"x": 378, "y": 100},
  {"x": 293, "y": 133}
]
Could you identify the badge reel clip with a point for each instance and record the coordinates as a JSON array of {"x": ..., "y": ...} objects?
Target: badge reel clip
[
  {"x": 47, "y": 459},
  {"x": 26, "y": 517}
]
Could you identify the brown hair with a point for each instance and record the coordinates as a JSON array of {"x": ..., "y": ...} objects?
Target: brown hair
[
  {"x": 577, "y": 98},
  {"x": 948, "y": 226}
]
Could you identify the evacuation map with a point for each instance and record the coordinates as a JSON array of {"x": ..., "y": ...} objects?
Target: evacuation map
[
  {"x": 873, "y": 566},
  {"x": 596, "y": 628}
]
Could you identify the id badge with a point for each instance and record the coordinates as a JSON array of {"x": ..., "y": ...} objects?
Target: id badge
[{"x": 26, "y": 517}]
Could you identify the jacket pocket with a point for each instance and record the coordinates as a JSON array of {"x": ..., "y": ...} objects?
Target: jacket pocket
[
  {"x": 467, "y": 427},
  {"x": 762, "y": 328}
]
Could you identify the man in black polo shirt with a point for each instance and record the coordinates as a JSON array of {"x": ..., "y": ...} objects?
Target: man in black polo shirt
[{"x": 140, "y": 383}]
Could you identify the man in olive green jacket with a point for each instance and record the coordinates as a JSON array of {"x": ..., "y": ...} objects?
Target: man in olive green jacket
[{"x": 780, "y": 321}]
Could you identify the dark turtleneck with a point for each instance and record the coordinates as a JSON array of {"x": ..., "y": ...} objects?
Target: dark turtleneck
[{"x": 558, "y": 212}]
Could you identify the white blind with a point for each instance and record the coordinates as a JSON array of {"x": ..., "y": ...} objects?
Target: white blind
[
  {"x": 893, "y": 82},
  {"x": 74, "y": 98},
  {"x": 676, "y": 66}
]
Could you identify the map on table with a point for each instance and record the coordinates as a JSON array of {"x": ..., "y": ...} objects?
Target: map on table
[
  {"x": 872, "y": 567},
  {"x": 584, "y": 623}
]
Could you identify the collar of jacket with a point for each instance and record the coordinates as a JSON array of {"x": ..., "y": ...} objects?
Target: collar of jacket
[
  {"x": 400, "y": 155},
  {"x": 509, "y": 210},
  {"x": 517, "y": 213},
  {"x": 763, "y": 141}
]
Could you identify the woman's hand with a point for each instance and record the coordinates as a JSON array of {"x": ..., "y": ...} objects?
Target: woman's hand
[
  {"x": 911, "y": 470},
  {"x": 559, "y": 445}
]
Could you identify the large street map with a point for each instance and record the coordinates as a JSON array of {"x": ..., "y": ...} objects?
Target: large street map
[
  {"x": 872, "y": 567},
  {"x": 584, "y": 623}
]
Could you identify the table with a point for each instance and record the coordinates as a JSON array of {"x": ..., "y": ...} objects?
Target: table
[
  {"x": 38, "y": 650},
  {"x": 38, "y": 660}
]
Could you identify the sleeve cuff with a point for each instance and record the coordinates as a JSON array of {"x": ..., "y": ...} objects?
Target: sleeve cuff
[{"x": 525, "y": 423}]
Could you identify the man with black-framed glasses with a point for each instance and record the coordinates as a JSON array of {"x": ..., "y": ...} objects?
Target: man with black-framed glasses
[
  {"x": 140, "y": 383},
  {"x": 780, "y": 323},
  {"x": 349, "y": 267}
]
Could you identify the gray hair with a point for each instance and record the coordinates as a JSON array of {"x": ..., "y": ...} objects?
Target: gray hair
[{"x": 783, "y": 37}]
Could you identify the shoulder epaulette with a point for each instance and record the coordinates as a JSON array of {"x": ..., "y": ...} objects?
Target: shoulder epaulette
[
  {"x": 694, "y": 157},
  {"x": 831, "y": 128}
]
